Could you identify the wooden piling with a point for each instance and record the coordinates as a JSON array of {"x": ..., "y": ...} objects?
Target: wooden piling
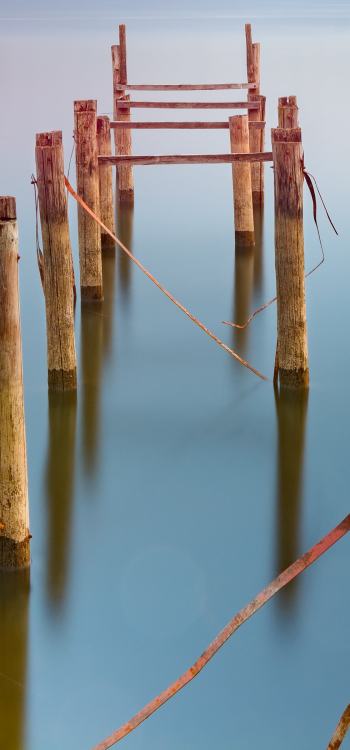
[
  {"x": 122, "y": 138},
  {"x": 256, "y": 144},
  {"x": 242, "y": 183},
  {"x": 14, "y": 506},
  {"x": 105, "y": 180},
  {"x": 85, "y": 133},
  {"x": 292, "y": 349},
  {"x": 58, "y": 263},
  {"x": 288, "y": 112}
]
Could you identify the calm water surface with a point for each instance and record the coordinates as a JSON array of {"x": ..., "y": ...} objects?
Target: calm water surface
[{"x": 175, "y": 485}]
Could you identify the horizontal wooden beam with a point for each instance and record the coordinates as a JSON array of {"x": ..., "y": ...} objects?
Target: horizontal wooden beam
[
  {"x": 184, "y": 86},
  {"x": 122, "y": 104},
  {"x": 120, "y": 124},
  {"x": 186, "y": 159}
]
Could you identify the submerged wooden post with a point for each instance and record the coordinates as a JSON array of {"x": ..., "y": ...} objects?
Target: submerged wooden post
[
  {"x": 85, "y": 133},
  {"x": 288, "y": 112},
  {"x": 105, "y": 180},
  {"x": 58, "y": 263},
  {"x": 292, "y": 351},
  {"x": 122, "y": 138},
  {"x": 242, "y": 183},
  {"x": 14, "y": 507}
]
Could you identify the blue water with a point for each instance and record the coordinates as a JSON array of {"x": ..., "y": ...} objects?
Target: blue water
[{"x": 175, "y": 487}]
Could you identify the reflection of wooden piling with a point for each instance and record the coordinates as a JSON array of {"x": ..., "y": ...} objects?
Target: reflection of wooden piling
[
  {"x": 292, "y": 355},
  {"x": 105, "y": 181},
  {"x": 288, "y": 113},
  {"x": 125, "y": 224},
  {"x": 122, "y": 138},
  {"x": 259, "y": 247},
  {"x": 243, "y": 289},
  {"x": 60, "y": 470},
  {"x": 14, "y": 507},
  {"x": 92, "y": 322},
  {"x": 14, "y": 601},
  {"x": 242, "y": 184},
  {"x": 88, "y": 188},
  {"x": 58, "y": 263},
  {"x": 108, "y": 270},
  {"x": 291, "y": 412}
]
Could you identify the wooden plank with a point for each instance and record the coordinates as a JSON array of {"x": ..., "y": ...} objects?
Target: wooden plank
[
  {"x": 116, "y": 124},
  {"x": 185, "y": 86},
  {"x": 188, "y": 105},
  {"x": 122, "y": 50},
  {"x": 185, "y": 159}
]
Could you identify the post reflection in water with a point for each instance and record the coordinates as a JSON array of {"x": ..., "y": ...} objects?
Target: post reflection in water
[
  {"x": 243, "y": 290},
  {"x": 291, "y": 412},
  {"x": 248, "y": 280},
  {"x": 109, "y": 292},
  {"x": 92, "y": 330},
  {"x": 60, "y": 474},
  {"x": 14, "y": 601},
  {"x": 125, "y": 226},
  {"x": 259, "y": 247}
]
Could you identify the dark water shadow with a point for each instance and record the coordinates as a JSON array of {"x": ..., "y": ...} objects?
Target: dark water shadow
[
  {"x": 243, "y": 292},
  {"x": 259, "y": 248},
  {"x": 60, "y": 475},
  {"x": 125, "y": 228},
  {"x": 92, "y": 351},
  {"x": 291, "y": 413},
  {"x": 14, "y": 611},
  {"x": 109, "y": 291}
]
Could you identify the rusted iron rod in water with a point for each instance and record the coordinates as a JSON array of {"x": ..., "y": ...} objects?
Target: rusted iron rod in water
[
  {"x": 185, "y": 86},
  {"x": 191, "y": 105},
  {"x": 241, "y": 617},
  {"x": 186, "y": 159},
  {"x": 341, "y": 730},
  {"x": 214, "y": 125},
  {"x": 161, "y": 287}
]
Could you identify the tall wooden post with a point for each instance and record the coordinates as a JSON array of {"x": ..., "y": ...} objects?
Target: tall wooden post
[
  {"x": 292, "y": 351},
  {"x": 257, "y": 143},
  {"x": 14, "y": 506},
  {"x": 288, "y": 112},
  {"x": 58, "y": 263},
  {"x": 85, "y": 133},
  {"x": 105, "y": 180},
  {"x": 122, "y": 138},
  {"x": 242, "y": 183}
]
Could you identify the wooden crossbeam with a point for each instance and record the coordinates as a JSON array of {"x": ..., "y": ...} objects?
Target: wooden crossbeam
[
  {"x": 123, "y": 104},
  {"x": 120, "y": 124},
  {"x": 186, "y": 159},
  {"x": 184, "y": 86}
]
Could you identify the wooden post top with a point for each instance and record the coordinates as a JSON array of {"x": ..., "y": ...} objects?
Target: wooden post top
[
  {"x": 85, "y": 105},
  {"x": 7, "y": 208},
  {"x": 54, "y": 138},
  {"x": 238, "y": 121},
  {"x": 286, "y": 135},
  {"x": 102, "y": 123},
  {"x": 287, "y": 101}
]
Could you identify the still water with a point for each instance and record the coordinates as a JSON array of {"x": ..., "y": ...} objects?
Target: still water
[{"x": 175, "y": 485}]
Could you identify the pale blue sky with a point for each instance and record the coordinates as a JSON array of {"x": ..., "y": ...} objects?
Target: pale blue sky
[{"x": 164, "y": 8}]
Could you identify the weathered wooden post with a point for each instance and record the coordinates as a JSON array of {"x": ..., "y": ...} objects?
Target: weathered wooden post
[
  {"x": 242, "y": 183},
  {"x": 85, "y": 134},
  {"x": 58, "y": 263},
  {"x": 105, "y": 180},
  {"x": 14, "y": 506},
  {"x": 122, "y": 138},
  {"x": 288, "y": 112},
  {"x": 292, "y": 352},
  {"x": 256, "y": 118}
]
